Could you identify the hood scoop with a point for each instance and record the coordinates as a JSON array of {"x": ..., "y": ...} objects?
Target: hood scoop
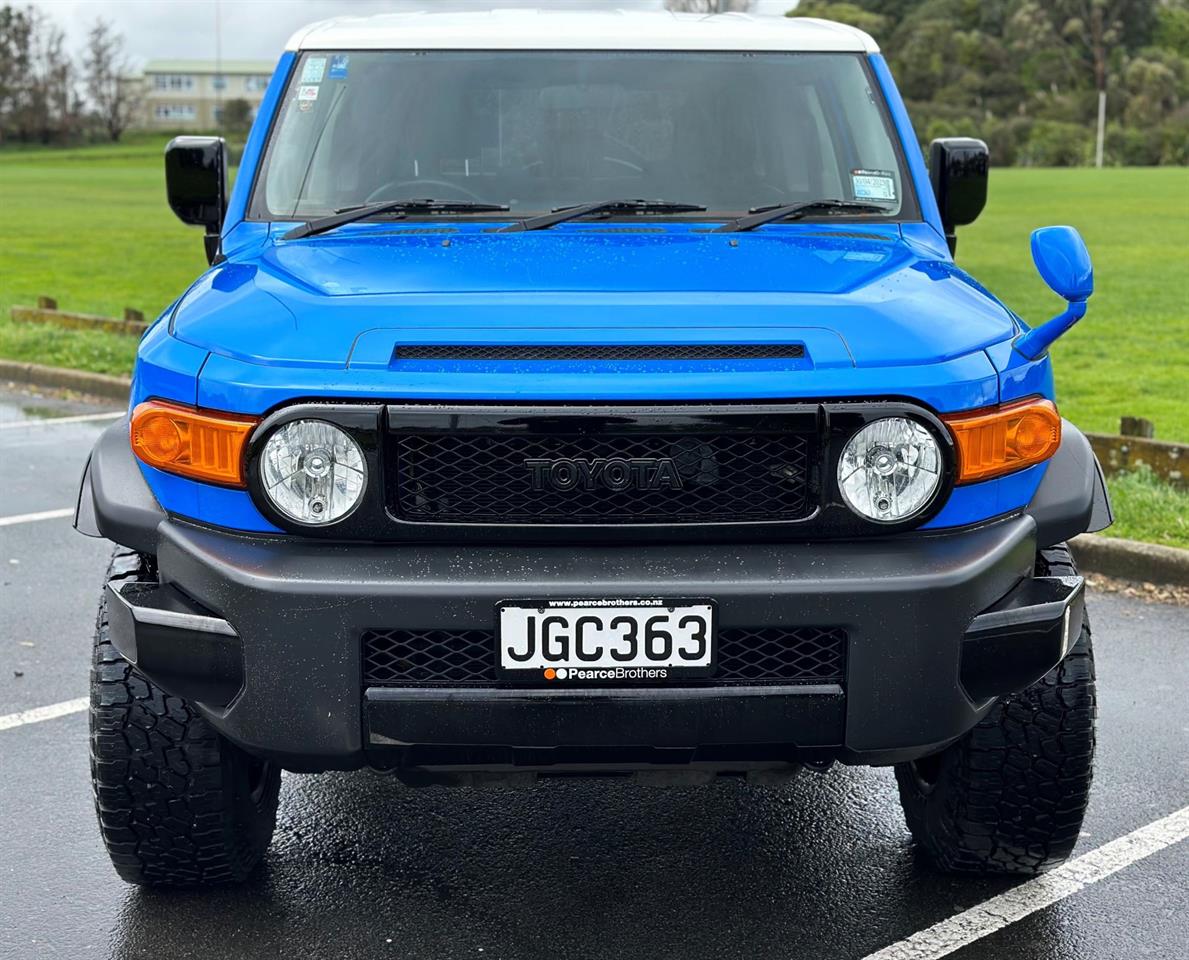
[{"x": 627, "y": 352}]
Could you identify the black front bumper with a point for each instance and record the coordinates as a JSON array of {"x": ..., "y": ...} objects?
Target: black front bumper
[
  {"x": 918, "y": 613},
  {"x": 265, "y": 634}
]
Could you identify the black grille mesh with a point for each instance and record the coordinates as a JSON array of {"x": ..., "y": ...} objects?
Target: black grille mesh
[
  {"x": 465, "y": 478},
  {"x": 466, "y": 658},
  {"x": 691, "y": 351}
]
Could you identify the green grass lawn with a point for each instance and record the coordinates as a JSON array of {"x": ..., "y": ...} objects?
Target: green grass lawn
[
  {"x": 1146, "y": 508},
  {"x": 1130, "y": 355},
  {"x": 91, "y": 228}
]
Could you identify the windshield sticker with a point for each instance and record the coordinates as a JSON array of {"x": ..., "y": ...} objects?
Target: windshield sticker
[
  {"x": 338, "y": 67},
  {"x": 873, "y": 184},
  {"x": 313, "y": 70},
  {"x": 309, "y": 92}
]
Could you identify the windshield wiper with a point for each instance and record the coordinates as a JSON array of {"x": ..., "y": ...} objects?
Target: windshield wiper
[
  {"x": 760, "y": 215},
  {"x": 403, "y": 207},
  {"x": 562, "y": 214}
]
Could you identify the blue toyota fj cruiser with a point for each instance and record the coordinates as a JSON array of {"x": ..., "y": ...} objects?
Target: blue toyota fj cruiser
[{"x": 590, "y": 393}]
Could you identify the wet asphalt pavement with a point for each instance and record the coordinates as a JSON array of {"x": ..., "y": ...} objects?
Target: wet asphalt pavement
[{"x": 363, "y": 867}]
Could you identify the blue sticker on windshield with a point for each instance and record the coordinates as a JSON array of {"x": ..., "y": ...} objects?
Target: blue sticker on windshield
[{"x": 338, "y": 67}]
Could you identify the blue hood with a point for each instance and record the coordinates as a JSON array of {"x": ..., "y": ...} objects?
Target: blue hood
[{"x": 862, "y": 297}]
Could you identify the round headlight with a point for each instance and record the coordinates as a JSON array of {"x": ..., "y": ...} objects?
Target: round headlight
[
  {"x": 890, "y": 470},
  {"x": 313, "y": 472}
]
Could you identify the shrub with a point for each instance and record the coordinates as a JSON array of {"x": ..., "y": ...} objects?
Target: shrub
[{"x": 1056, "y": 144}]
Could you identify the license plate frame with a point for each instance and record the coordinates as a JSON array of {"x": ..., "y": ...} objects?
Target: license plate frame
[{"x": 607, "y": 671}]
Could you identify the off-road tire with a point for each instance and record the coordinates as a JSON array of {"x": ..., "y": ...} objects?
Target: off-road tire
[
  {"x": 1009, "y": 796},
  {"x": 178, "y": 804}
]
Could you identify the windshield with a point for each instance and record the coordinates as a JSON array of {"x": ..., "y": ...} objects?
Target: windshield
[{"x": 542, "y": 130}]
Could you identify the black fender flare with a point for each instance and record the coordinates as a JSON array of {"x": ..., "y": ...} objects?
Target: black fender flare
[
  {"x": 114, "y": 501},
  {"x": 1072, "y": 498}
]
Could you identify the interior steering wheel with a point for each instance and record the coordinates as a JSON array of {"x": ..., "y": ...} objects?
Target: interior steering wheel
[{"x": 379, "y": 193}]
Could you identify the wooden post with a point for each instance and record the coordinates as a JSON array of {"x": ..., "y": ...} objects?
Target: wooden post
[{"x": 1137, "y": 427}]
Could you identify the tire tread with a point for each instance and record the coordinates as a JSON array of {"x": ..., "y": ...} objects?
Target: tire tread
[
  {"x": 169, "y": 790},
  {"x": 1011, "y": 795}
]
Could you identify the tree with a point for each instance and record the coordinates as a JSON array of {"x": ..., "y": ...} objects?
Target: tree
[
  {"x": 1154, "y": 83},
  {"x": 15, "y": 45},
  {"x": 709, "y": 6},
  {"x": 51, "y": 110},
  {"x": 114, "y": 96},
  {"x": 876, "y": 24},
  {"x": 38, "y": 96},
  {"x": 1172, "y": 27},
  {"x": 1092, "y": 30},
  {"x": 236, "y": 116}
]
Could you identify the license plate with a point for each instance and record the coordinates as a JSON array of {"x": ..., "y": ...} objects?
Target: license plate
[{"x": 605, "y": 641}]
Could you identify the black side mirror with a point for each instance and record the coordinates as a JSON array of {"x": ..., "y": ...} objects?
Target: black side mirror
[
  {"x": 958, "y": 170},
  {"x": 196, "y": 184}
]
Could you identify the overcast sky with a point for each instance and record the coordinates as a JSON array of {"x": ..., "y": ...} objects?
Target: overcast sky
[{"x": 258, "y": 29}]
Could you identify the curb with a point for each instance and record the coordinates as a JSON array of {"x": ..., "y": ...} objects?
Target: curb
[
  {"x": 61, "y": 378},
  {"x": 1131, "y": 560}
]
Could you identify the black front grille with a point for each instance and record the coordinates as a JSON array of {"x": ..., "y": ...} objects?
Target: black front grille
[
  {"x": 547, "y": 478},
  {"x": 466, "y": 658},
  {"x": 690, "y": 351}
]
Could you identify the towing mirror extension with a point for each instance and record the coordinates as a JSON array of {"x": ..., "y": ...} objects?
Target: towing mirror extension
[
  {"x": 196, "y": 185},
  {"x": 958, "y": 171}
]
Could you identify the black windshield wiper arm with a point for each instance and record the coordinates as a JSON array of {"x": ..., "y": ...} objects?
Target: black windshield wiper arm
[
  {"x": 403, "y": 207},
  {"x": 562, "y": 214},
  {"x": 761, "y": 215}
]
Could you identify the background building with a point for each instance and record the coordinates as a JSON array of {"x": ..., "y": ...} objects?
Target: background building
[{"x": 191, "y": 94}]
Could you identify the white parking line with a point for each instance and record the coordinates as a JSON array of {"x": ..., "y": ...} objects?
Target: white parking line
[
  {"x": 51, "y": 421},
  {"x": 980, "y": 921},
  {"x": 956, "y": 932},
  {"x": 37, "y": 714},
  {"x": 31, "y": 517}
]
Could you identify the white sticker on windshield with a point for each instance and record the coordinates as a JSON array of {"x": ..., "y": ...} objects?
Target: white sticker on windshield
[
  {"x": 307, "y": 93},
  {"x": 313, "y": 70},
  {"x": 873, "y": 184}
]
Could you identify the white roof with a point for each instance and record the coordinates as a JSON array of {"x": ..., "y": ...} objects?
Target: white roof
[{"x": 580, "y": 30}]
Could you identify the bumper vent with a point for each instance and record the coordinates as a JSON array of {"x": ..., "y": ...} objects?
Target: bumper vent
[{"x": 466, "y": 658}]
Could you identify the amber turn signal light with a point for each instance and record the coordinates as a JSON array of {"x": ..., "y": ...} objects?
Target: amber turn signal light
[
  {"x": 1001, "y": 440},
  {"x": 199, "y": 444}
]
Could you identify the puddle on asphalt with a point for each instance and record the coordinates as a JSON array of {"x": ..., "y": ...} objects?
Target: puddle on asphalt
[
  {"x": 41, "y": 413},
  {"x": 20, "y": 406}
]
